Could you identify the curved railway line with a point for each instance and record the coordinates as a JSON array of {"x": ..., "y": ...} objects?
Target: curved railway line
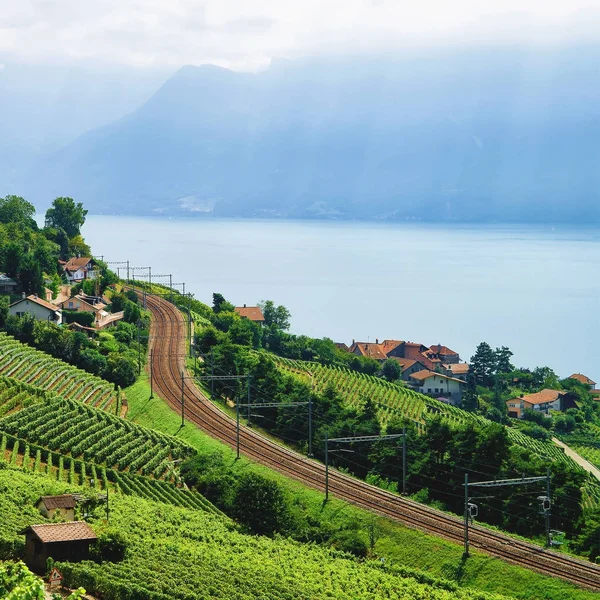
[{"x": 168, "y": 361}]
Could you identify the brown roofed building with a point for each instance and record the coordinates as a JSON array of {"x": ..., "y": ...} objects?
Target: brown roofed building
[
  {"x": 369, "y": 350},
  {"x": 409, "y": 366},
  {"x": 389, "y": 345},
  {"x": 61, "y": 541},
  {"x": 252, "y": 313},
  {"x": 543, "y": 401},
  {"x": 438, "y": 385},
  {"x": 459, "y": 370},
  {"x": 78, "y": 269},
  {"x": 447, "y": 356},
  {"x": 583, "y": 379},
  {"x": 64, "y": 505},
  {"x": 38, "y": 308},
  {"x": 342, "y": 346}
]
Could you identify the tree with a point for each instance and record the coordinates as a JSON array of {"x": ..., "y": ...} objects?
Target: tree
[
  {"x": 66, "y": 214},
  {"x": 121, "y": 370},
  {"x": 14, "y": 209},
  {"x": 391, "y": 370},
  {"x": 275, "y": 316},
  {"x": 503, "y": 364},
  {"x": 260, "y": 505},
  {"x": 470, "y": 399},
  {"x": 483, "y": 364},
  {"x": 30, "y": 275},
  {"x": 221, "y": 305}
]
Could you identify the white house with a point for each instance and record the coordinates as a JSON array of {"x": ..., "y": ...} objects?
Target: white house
[
  {"x": 438, "y": 385},
  {"x": 543, "y": 401},
  {"x": 38, "y": 308},
  {"x": 78, "y": 269}
]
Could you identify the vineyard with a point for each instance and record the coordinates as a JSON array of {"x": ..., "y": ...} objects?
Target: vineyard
[
  {"x": 93, "y": 435},
  {"x": 184, "y": 555},
  {"x": 23, "y": 363},
  {"x": 393, "y": 399}
]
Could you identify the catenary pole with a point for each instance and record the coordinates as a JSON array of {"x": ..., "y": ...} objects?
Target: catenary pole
[
  {"x": 404, "y": 459},
  {"x": 466, "y": 550},
  {"x": 326, "y": 466},
  {"x": 310, "y": 452},
  {"x": 547, "y": 515},
  {"x": 237, "y": 430},
  {"x": 182, "y": 396}
]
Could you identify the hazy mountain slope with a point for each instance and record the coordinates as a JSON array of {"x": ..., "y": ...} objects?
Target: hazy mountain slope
[
  {"x": 45, "y": 107},
  {"x": 487, "y": 135}
]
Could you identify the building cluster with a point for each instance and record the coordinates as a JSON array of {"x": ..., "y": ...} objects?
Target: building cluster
[
  {"x": 52, "y": 309},
  {"x": 433, "y": 370},
  {"x": 63, "y": 539}
]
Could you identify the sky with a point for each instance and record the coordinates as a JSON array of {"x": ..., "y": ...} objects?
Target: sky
[{"x": 247, "y": 34}]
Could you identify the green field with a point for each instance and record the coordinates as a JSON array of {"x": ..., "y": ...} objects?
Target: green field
[
  {"x": 26, "y": 364},
  {"x": 399, "y": 545}
]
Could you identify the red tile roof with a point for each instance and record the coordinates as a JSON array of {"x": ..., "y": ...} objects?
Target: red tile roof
[
  {"x": 62, "y": 532},
  {"x": 388, "y": 345},
  {"x": 76, "y": 263},
  {"x": 540, "y": 397},
  {"x": 426, "y": 373},
  {"x": 368, "y": 349},
  {"x": 582, "y": 379},
  {"x": 253, "y": 313},
  {"x": 62, "y": 501},
  {"x": 33, "y": 298},
  {"x": 442, "y": 350},
  {"x": 458, "y": 368}
]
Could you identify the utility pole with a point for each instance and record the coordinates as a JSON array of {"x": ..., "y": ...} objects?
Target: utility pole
[
  {"x": 326, "y": 466},
  {"x": 310, "y": 435},
  {"x": 212, "y": 374},
  {"x": 237, "y": 430},
  {"x": 404, "y": 460},
  {"x": 547, "y": 512},
  {"x": 151, "y": 373},
  {"x": 182, "y": 397},
  {"x": 466, "y": 550},
  {"x": 248, "y": 391},
  {"x": 127, "y": 272},
  {"x": 171, "y": 286},
  {"x": 139, "y": 349}
]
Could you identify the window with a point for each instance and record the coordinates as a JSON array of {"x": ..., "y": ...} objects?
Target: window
[
  {"x": 70, "y": 304},
  {"x": 429, "y": 390},
  {"x": 436, "y": 390}
]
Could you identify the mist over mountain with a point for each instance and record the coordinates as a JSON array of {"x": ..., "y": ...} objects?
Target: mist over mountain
[
  {"x": 42, "y": 108},
  {"x": 492, "y": 134}
]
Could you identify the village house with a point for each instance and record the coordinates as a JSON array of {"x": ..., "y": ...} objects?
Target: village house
[
  {"x": 252, "y": 313},
  {"x": 368, "y": 350},
  {"x": 444, "y": 354},
  {"x": 38, "y": 308},
  {"x": 78, "y": 269},
  {"x": 409, "y": 366},
  {"x": 414, "y": 351},
  {"x": 91, "y": 304},
  {"x": 61, "y": 541},
  {"x": 438, "y": 385},
  {"x": 63, "y": 505},
  {"x": 8, "y": 285},
  {"x": 543, "y": 401},
  {"x": 458, "y": 370},
  {"x": 583, "y": 379}
]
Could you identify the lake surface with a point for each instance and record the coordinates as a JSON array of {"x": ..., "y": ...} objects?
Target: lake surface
[{"x": 534, "y": 289}]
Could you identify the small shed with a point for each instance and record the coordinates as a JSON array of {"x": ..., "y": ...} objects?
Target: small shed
[
  {"x": 63, "y": 505},
  {"x": 61, "y": 541}
]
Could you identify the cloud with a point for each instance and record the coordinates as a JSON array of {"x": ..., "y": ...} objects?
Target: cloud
[{"x": 246, "y": 34}]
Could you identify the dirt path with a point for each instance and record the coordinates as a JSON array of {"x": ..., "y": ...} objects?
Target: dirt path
[{"x": 588, "y": 466}]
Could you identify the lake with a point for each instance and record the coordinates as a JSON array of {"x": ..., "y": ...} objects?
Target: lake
[{"x": 534, "y": 289}]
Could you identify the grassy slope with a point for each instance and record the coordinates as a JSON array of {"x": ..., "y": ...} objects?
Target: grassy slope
[{"x": 397, "y": 543}]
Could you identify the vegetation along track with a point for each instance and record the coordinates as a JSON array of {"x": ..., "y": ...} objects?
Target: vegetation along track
[{"x": 168, "y": 356}]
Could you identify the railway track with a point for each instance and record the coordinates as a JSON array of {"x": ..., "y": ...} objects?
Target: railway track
[{"x": 168, "y": 362}]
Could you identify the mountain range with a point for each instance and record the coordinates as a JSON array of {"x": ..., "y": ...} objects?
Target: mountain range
[{"x": 496, "y": 134}]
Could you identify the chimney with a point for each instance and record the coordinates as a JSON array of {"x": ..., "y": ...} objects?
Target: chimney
[
  {"x": 23, "y": 295},
  {"x": 244, "y": 306},
  {"x": 353, "y": 341}
]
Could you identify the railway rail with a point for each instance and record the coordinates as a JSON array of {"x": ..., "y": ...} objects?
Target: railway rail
[{"x": 168, "y": 362}]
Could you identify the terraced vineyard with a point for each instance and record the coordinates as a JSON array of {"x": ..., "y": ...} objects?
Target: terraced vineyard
[
  {"x": 393, "y": 399},
  {"x": 26, "y": 364},
  {"x": 93, "y": 435}
]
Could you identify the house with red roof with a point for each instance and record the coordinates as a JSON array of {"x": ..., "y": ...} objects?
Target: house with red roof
[
  {"x": 80, "y": 268},
  {"x": 543, "y": 401},
  {"x": 583, "y": 379},
  {"x": 36, "y": 307},
  {"x": 252, "y": 313},
  {"x": 443, "y": 353},
  {"x": 438, "y": 385},
  {"x": 368, "y": 350}
]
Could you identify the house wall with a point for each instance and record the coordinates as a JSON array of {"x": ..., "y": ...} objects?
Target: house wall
[
  {"x": 68, "y": 514},
  {"x": 412, "y": 369},
  {"x": 40, "y": 313},
  {"x": 442, "y": 386},
  {"x": 78, "y": 305}
]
